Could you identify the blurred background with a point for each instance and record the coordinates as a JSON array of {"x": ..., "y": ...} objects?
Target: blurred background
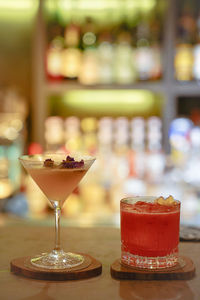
[{"x": 118, "y": 79}]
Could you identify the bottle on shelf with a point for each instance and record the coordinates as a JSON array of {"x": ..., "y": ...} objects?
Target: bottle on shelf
[
  {"x": 137, "y": 146},
  {"x": 144, "y": 54},
  {"x": 71, "y": 54},
  {"x": 179, "y": 141},
  {"x": 155, "y": 158},
  {"x": 120, "y": 166},
  {"x": 123, "y": 66},
  {"x": 121, "y": 134},
  {"x": 196, "y": 64},
  {"x": 89, "y": 136},
  {"x": 192, "y": 163},
  {"x": 105, "y": 158},
  {"x": 55, "y": 39},
  {"x": 155, "y": 33},
  {"x": 54, "y": 133},
  {"x": 184, "y": 60},
  {"x": 135, "y": 184},
  {"x": 54, "y": 59},
  {"x": 196, "y": 51},
  {"x": 89, "y": 71},
  {"x": 106, "y": 52},
  {"x": 105, "y": 57},
  {"x": 73, "y": 138},
  {"x": 195, "y": 116}
]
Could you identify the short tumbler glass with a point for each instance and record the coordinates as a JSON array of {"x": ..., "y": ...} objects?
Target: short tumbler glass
[{"x": 149, "y": 233}]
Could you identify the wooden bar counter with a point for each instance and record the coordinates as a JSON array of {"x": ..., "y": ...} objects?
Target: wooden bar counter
[{"x": 23, "y": 239}]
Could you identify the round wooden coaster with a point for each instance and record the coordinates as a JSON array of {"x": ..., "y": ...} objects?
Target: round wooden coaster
[
  {"x": 182, "y": 271},
  {"x": 89, "y": 268}
]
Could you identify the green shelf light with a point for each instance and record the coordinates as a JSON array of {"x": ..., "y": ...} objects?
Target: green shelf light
[{"x": 107, "y": 103}]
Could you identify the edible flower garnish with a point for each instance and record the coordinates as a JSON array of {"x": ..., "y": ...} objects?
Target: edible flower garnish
[
  {"x": 70, "y": 163},
  {"x": 49, "y": 163}
]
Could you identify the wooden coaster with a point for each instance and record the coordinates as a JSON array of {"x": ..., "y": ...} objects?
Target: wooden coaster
[
  {"x": 89, "y": 268},
  {"x": 184, "y": 270}
]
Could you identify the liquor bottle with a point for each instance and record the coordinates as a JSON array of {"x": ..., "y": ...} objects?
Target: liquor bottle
[
  {"x": 73, "y": 138},
  {"x": 121, "y": 134},
  {"x": 155, "y": 158},
  {"x": 105, "y": 133},
  {"x": 144, "y": 54},
  {"x": 183, "y": 62},
  {"x": 71, "y": 54},
  {"x": 106, "y": 57},
  {"x": 54, "y": 50},
  {"x": 106, "y": 159},
  {"x": 89, "y": 136},
  {"x": 54, "y": 59},
  {"x": 192, "y": 163},
  {"x": 123, "y": 66},
  {"x": 196, "y": 64},
  {"x": 54, "y": 133},
  {"x": 195, "y": 116},
  {"x": 155, "y": 39},
  {"x": 89, "y": 34},
  {"x": 133, "y": 185},
  {"x": 138, "y": 139},
  {"x": 198, "y": 26},
  {"x": 120, "y": 166},
  {"x": 184, "y": 50},
  {"x": 186, "y": 24},
  {"x": 196, "y": 51},
  {"x": 156, "y": 71},
  {"x": 179, "y": 140},
  {"x": 89, "y": 71}
]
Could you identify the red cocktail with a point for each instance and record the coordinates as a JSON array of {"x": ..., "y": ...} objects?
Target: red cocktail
[{"x": 150, "y": 231}]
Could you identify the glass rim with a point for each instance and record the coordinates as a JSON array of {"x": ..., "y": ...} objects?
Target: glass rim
[
  {"x": 150, "y": 199},
  {"x": 28, "y": 157}
]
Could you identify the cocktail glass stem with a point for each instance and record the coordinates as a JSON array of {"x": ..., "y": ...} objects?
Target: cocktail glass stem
[{"x": 57, "y": 212}]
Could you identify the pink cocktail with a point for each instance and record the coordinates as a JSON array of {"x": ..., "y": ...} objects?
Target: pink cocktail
[
  {"x": 57, "y": 184},
  {"x": 149, "y": 232},
  {"x": 57, "y": 175}
]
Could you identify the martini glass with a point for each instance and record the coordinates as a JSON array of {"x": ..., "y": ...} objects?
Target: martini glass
[{"x": 57, "y": 178}]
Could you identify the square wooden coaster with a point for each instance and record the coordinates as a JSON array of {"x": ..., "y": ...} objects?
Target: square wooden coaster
[{"x": 184, "y": 270}]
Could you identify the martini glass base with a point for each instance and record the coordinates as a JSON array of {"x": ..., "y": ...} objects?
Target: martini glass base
[{"x": 57, "y": 259}]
